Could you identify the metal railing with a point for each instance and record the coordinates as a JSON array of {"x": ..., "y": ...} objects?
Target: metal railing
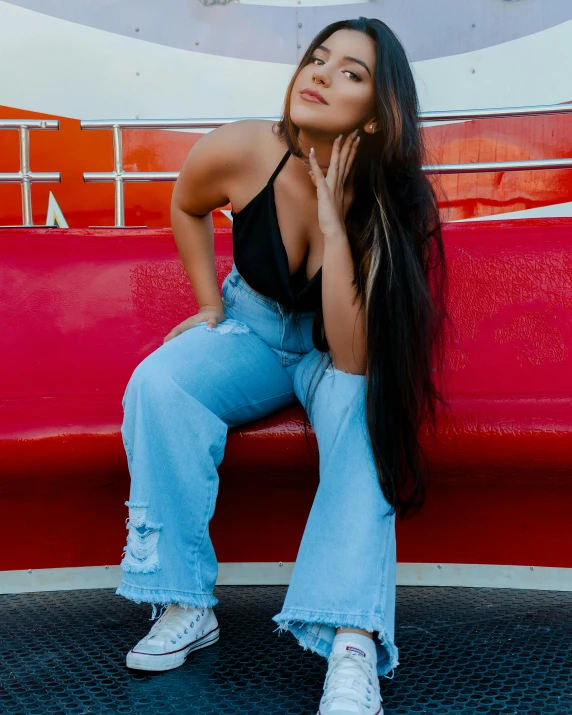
[
  {"x": 119, "y": 177},
  {"x": 25, "y": 177},
  {"x": 468, "y": 114}
]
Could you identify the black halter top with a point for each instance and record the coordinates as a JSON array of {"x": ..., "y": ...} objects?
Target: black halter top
[{"x": 260, "y": 256}]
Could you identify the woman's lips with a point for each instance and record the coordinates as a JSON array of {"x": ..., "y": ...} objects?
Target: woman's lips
[{"x": 310, "y": 97}]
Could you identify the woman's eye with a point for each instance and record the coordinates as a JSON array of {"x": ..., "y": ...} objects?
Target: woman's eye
[{"x": 354, "y": 76}]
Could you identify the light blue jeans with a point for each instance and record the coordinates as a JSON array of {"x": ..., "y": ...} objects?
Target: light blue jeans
[{"x": 178, "y": 405}]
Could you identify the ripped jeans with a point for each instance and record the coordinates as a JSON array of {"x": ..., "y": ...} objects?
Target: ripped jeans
[{"x": 178, "y": 405}]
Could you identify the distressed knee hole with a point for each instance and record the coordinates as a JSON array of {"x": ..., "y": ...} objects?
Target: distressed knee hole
[
  {"x": 227, "y": 326},
  {"x": 140, "y": 554}
]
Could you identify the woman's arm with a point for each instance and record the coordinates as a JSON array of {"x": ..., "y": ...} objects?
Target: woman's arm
[
  {"x": 344, "y": 318},
  {"x": 202, "y": 186}
]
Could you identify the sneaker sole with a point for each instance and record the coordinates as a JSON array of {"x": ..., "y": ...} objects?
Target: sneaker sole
[{"x": 167, "y": 661}]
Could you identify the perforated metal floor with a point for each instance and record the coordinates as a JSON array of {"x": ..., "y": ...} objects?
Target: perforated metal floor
[{"x": 461, "y": 651}]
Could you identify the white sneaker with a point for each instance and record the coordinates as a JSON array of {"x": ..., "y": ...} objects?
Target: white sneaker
[
  {"x": 175, "y": 634},
  {"x": 352, "y": 684}
]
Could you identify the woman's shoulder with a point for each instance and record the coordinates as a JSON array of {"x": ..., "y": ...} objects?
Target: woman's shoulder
[
  {"x": 242, "y": 148},
  {"x": 223, "y": 160},
  {"x": 254, "y": 150},
  {"x": 231, "y": 145},
  {"x": 248, "y": 137}
]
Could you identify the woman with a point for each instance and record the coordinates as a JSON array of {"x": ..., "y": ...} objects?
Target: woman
[{"x": 327, "y": 302}]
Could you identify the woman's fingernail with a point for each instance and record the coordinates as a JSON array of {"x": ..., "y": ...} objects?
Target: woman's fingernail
[
  {"x": 355, "y": 133},
  {"x": 312, "y": 150},
  {"x": 357, "y": 140}
]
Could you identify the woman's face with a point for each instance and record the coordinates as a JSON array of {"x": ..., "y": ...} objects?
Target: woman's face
[{"x": 341, "y": 69}]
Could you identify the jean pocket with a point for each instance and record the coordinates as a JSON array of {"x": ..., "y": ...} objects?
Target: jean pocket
[{"x": 229, "y": 290}]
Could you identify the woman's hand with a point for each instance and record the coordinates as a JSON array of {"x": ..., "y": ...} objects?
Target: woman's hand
[
  {"x": 331, "y": 188},
  {"x": 209, "y": 313}
]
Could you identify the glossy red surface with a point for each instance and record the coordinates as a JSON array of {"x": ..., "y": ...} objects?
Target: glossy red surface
[
  {"x": 470, "y": 195},
  {"x": 82, "y": 308}
]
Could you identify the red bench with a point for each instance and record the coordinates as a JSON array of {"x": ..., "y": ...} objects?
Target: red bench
[{"x": 82, "y": 308}]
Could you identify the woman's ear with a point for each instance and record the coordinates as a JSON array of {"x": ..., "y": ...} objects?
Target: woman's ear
[{"x": 370, "y": 127}]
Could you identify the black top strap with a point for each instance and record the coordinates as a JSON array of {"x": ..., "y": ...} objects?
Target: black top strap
[{"x": 279, "y": 167}]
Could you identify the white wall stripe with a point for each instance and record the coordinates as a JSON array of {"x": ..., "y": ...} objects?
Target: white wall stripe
[
  {"x": 272, "y": 573},
  {"x": 180, "y": 83},
  {"x": 171, "y": 82},
  {"x": 531, "y": 70},
  {"x": 550, "y": 211}
]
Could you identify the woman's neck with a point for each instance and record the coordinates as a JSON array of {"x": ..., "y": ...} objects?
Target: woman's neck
[{"x": 322, "y": 147}]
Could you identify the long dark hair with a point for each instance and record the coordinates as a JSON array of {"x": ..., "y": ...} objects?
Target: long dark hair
[{"x": 394, "y": 231}]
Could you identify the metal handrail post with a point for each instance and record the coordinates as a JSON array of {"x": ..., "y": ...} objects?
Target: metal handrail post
[
  {"x": 118, "y": 181},
  {"x": 25, "y": 176}
]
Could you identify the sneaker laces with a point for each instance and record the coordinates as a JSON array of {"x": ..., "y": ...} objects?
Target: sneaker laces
[
  {"x": 175, "y": 622},
  {"x": 345, "y": 680}
]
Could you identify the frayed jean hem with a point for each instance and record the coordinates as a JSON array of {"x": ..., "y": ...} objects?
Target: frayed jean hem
[
  {"x": 315, "y": 631},
  {"x": 164, "y": 597}
]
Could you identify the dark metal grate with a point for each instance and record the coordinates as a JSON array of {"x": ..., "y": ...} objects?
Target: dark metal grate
[{"x": 461, "y": 650}]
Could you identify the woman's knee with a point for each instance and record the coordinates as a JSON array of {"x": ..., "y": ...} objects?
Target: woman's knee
[{"x": 153, "y": 371}]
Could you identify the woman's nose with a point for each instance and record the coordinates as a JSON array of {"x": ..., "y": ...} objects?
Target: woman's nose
[{"x": 320, "y": 78}]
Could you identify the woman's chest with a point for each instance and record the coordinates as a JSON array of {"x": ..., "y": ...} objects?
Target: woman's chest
[{"x": 299, "y": 229}]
